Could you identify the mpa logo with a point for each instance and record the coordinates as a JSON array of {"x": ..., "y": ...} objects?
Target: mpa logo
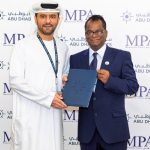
[
  {"x": 129, "y": 117},
  {"x": 142, "y": 68},
  {"x": 79, "y": 41},
  {"x": 15, "y": 16},
  {"x": 73, "y": 141},
  {"x": 74, "y": 41},
  {"x": 127, "y": 16},
  {"x": 137, "y": 17},
  {"x": 139, "y": 142},
  {"x": 143, "y": 92},
  {"x": 70, "y": 116},
  {"x": 6, "y": 114},
  {"x": 139, "y": 119},
  {"x": 2, "y": 15},
  {"x": 137, "y": 41},
  {"x": 6, "y": 89},
  {"x": 2, "y": 114},
  {"x": 4, "y": 65},
  {"x": 11, "y": 39},
  {"x": 77, "y": 15},
  {"x": 6, "y": 138}
]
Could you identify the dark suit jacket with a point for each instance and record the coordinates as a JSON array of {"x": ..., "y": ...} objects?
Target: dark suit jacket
[{"x": 107, "y": 112}]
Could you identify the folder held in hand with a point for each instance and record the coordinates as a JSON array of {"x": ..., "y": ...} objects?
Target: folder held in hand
[{"x": 79, "y": 87}]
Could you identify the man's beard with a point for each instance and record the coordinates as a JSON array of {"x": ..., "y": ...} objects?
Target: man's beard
[{"x": 47, "y": 32}]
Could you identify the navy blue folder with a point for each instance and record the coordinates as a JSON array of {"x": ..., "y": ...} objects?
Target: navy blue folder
[{"x": 79, "y": 87}]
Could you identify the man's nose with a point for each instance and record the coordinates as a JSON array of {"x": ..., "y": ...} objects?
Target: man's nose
[{"x": 48, "y": 19}]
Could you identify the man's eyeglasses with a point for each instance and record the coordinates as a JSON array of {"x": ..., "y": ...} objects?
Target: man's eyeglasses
[{"x": 97, "y": 32}]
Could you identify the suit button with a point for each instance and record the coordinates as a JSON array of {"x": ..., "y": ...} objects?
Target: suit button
[
  {"x": 94, "y": 98},
  {"x": 95, "y": 114}
]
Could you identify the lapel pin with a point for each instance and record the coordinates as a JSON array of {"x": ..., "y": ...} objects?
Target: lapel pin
[{"x": 106, "y": 62}]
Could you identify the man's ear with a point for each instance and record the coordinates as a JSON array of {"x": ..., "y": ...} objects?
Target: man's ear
[{"x": 106, "y": 34}]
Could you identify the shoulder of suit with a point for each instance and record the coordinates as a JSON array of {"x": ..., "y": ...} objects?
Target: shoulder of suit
[
  {"x": 83, "y": 52},
  {"x": 116, "y": 50}
]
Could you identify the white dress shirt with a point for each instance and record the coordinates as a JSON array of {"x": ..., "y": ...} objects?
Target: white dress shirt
[{"x": 100, "y": 54}]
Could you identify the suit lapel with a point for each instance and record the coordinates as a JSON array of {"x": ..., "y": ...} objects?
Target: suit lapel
[
  {"x": 107, "y": 59},
  {"x": 85, "y": 59}
]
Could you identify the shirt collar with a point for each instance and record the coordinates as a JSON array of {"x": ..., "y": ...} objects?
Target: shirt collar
[{"x": 100, "y": 52}]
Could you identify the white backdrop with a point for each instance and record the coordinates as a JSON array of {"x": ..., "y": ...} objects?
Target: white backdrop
[{"x": 128, "y": 25}]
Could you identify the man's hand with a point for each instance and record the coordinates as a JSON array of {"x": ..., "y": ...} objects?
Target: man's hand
[
  {"x": 64, "y": 79},
  {"x": 57, "y": 102},
  {"x": 103, "y": 75}
]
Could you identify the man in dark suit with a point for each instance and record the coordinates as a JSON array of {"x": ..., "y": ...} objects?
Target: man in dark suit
[{"x": 103, "y": 125}]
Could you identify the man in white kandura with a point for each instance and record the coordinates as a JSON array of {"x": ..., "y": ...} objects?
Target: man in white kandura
[{"x": 36, "y": 70}]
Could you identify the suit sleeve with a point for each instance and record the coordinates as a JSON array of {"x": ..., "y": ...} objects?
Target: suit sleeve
[{"x": 127, "y": 82}]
